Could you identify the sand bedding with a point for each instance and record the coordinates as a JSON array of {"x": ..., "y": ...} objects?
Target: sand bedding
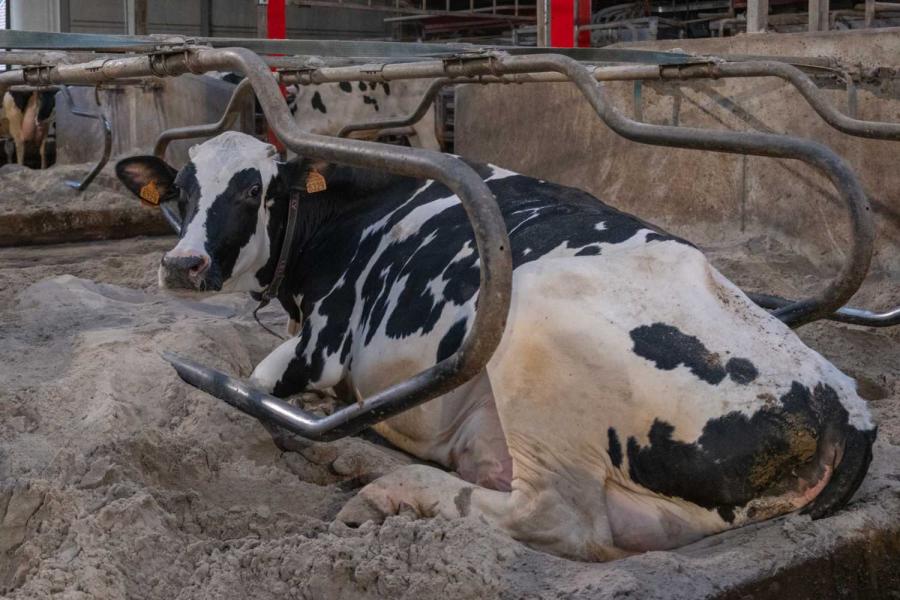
[{"x": 119, "y": 481}]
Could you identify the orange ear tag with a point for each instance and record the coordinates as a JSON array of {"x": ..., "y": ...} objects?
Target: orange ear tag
[
  {"x": 315, "y": 183},
  {"x": 150, "y": 194}
]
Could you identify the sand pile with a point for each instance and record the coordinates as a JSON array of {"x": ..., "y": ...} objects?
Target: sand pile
[
  {"x": 119, "y": 481},
  {"x": 38, "y": 207}
]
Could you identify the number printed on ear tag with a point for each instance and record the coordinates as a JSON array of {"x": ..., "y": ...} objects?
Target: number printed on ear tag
[
  {"x": 150, "y": 194},
  {"x": 315, "y": 183}
]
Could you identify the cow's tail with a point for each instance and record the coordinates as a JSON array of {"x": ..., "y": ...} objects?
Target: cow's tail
[{"x": 848, "y": 474}]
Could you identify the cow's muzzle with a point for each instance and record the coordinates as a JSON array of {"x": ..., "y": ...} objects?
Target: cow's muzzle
[{"x": 184, "y": 272}]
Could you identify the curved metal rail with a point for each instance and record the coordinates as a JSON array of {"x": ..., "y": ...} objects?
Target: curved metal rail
[
  {"x": 809, "y": 91},
  {"x": 414, "y": 117},
  {"x": 489, "y": 229},
  {"x": 847, "y": 314},
  {"x": 699, "y": 69},
  {"x": 804, "y": 85},
  {"x": 840, "y": 288},
  {"x": 82, "y": 185},
  {"x": 232, "y": 110}
]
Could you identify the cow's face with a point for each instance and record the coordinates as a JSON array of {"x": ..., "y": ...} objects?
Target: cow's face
[{"x": 223, "y": 198}]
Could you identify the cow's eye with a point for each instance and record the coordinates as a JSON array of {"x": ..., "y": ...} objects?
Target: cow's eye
[{"x": 253, "y": 192}]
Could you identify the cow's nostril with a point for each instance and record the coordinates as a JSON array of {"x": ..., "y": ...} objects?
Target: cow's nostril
[
  {"x": 187, "y": 267},
  {"x": 200, "y": 265}
]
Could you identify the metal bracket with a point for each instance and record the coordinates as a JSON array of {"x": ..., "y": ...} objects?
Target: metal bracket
[
  {"x": 232, "y": 110},
  {"x": 82, "y": 185}
]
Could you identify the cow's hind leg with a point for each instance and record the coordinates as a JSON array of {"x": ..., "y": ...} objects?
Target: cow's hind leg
[{"x": 540, "y": 517}]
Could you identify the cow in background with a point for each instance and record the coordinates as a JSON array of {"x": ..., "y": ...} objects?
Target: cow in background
[
  {"x": 325, "y": 109},
  {"x": 29, "y": 115}
]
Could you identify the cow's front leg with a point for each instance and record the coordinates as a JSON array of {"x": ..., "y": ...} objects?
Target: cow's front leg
[
  {"x": 20, "y": 152},
  {"x": 293, "y": 368},
  {"x": 425, "y": 492},
  {"x": 44, "y": 154}
]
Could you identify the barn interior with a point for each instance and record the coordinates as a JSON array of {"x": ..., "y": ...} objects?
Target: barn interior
[{"x": 764, "y": 132}]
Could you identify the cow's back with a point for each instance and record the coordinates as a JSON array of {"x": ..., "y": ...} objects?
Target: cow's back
[{"x": 713, "y": 412}]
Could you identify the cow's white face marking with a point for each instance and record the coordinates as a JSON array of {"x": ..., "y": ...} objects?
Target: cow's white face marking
[{"x": 222, "y": 169}]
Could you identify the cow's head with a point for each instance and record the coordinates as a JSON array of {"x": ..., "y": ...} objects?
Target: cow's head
[{"x": 230, "y": 200}]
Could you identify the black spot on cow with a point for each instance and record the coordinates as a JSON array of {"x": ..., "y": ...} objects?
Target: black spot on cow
[
  {"x": 230, "y": 223},
  {"x": 741, "y": 370},
  {"x": 386, "y": 87},
  {"x": 47, "y": 104},
  {"x": 738, "y": 458},
  {"x": 667, "y": 347},
  {"x": 372, "y": 85},
  {"x": 345, "y": 86},
  {"x": 371, "y": 100},
  {"x": 614, "y": 447},
  {"x": 452, "y": 340},
  {"x": 234, "y": 78},
  {"x": 20, "y": 99},
  {"x": 348, "y": 344},
  {"x": 317, "y": 103},
  {"x": 362, "y": 86}
]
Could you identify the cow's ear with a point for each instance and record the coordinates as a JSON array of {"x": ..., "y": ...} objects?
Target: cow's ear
[{"x": 149, "y": 178}]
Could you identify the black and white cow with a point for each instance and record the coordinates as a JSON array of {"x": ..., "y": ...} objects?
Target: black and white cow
[
  {"x": 325, "y": 109},
  {"x": 29, "y": 115},
  {"x": 638, "y": 400}
]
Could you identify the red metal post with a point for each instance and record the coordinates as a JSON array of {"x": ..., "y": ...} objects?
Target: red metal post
[
  {"x": 276, "y": 29},
  {"x": 584, "y": 18},
  {"x": 562, "y": 23},
  {"x": 277, "y": 21}
]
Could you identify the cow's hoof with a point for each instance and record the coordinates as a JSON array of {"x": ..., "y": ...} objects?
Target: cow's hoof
[{"x": 414, "y": 490}]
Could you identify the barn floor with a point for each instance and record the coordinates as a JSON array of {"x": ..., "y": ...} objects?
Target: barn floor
[{"x": 118, "y": 481}]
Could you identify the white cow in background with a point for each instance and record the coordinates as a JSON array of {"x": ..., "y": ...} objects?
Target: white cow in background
[{"x": 325, "y": 109}]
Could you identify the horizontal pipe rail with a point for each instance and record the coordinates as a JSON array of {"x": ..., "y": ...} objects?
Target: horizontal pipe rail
[
  {"x": 807, "y": 88},
  {"x": 39, "y": 40},
  {"x": 846, "y": 314}
]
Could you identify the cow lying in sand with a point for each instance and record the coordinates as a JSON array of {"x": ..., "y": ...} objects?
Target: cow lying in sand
[
  {"x": 29, "y": 115},
  {"x": 637, "y": 401}
]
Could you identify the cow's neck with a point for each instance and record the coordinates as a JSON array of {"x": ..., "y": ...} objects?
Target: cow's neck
[{"x": 322, "y": 215}]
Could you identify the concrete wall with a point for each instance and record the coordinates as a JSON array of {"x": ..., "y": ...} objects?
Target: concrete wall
[
  {"x": 34, "y": 15},
  {"x": 138, "y": 114},
  {"x": 549, "y": 131}
]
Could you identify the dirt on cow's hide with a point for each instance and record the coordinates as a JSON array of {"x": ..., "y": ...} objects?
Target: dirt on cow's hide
[{"x": 119, "y": 481}]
